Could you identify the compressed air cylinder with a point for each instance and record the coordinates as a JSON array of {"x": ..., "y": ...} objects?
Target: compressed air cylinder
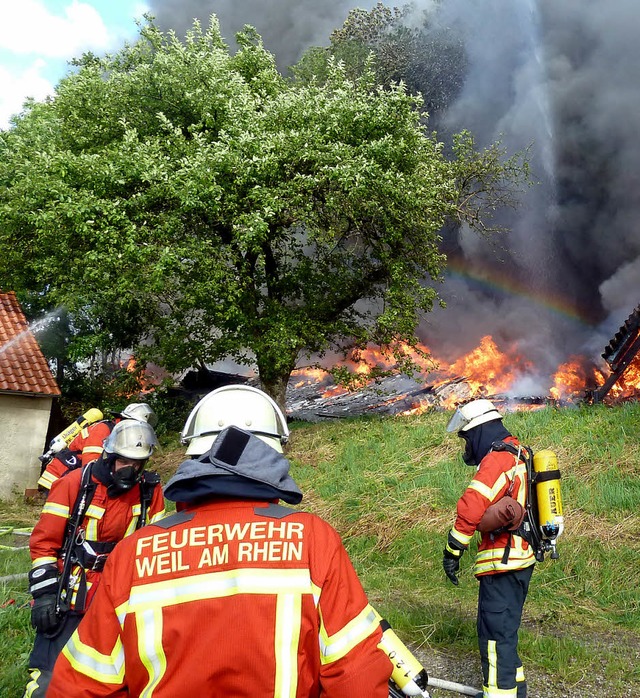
[
  {"x": 548, "y": 494},
  {"x": 408, "y": 674},
  {"x": 64, "y": 438}
]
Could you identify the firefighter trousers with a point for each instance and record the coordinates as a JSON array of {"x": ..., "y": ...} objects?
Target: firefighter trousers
[
  {"x": 500, "y": 602},
  {"x": 46, "y": 649}
]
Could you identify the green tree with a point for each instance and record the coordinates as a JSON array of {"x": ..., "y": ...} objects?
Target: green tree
[
  {"x": 195, "y": 205},
  {"x": 399, "y": 44}
]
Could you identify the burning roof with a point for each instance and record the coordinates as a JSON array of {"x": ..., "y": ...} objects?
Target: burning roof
[{"x": 487, "y": 371}]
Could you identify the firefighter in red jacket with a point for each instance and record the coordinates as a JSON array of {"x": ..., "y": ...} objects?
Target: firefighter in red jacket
[
  {"x": 88, "y": 444},
  {"x": 504, "y": 562},
  {"x": 86, "y": 513},
  {"x": 235, "y": 594}
]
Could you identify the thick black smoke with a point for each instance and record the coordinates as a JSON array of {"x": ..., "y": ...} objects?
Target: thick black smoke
[{"x": 562, "y": 77}]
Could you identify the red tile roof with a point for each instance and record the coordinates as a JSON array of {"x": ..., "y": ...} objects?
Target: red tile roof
[{"x": 23, "y": 368}]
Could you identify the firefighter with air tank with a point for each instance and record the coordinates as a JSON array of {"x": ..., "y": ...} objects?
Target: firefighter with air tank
[
  {"x": 81, "y": 442},
  {"x": 87, "y": 512},
  {"x": 518, "y": 523}
]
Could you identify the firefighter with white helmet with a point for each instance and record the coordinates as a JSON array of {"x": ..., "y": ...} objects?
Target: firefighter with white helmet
[
  {"x": 269, "y": 591},
  {"x": 86, "y": 513},
  {"x": 505, "y": 561},
  {"x": 141, "y": 412},
  {"x": 238, "y": 405},
  {"x": 88, "y": 444}
]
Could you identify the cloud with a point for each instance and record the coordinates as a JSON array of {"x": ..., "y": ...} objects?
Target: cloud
[
  {"x": 36, "y": 43},
  {"x": 29, "y": 28},
  {"x": 15, "y": 87}
]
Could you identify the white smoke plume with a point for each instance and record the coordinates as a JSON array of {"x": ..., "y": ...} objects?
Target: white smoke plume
[{"x": 561, "y": 77}]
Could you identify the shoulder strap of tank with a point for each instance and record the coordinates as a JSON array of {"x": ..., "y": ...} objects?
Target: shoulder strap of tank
[
  {"x": 523, "y": 452},
  {"x": 80, "y": 506},
  {"x": 149, "y": 482}
]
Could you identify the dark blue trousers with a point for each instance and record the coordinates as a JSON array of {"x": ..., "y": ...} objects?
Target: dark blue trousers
[
  {"x": 500, "y": 602},
  {"x": 46, "y": 649}
]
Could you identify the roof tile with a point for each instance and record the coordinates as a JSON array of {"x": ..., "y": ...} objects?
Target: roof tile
[{"x": 23, "y": 367}]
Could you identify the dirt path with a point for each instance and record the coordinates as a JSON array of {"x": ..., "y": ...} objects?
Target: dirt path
[{"x": 466, "y": 670}]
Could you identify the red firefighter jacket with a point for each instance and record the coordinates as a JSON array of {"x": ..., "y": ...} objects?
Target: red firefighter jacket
[
  {"x": 85, "y": 447},
  {"x": 239, "y": 599},
  {"x": 499, "y": 472},
  {"x": 107, "y": 519}
]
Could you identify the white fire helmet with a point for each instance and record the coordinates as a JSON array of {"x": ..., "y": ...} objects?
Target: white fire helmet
[
  {"x": 140, "y": 411},
  {"x": 131, "y": 439},
  {"x": 234, "y": 405},
  {"x": 472, "y": 415}
]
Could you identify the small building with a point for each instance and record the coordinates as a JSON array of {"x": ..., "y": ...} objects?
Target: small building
[{"x": 27, "y": 389}]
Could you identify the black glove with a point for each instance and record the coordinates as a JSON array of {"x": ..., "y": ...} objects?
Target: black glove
[
  {"x": 451, "y": 564},
  {"x": 43, "y": 613}
]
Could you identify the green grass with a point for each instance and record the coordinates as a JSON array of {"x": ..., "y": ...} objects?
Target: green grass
[{"x": 390, "y": 487}]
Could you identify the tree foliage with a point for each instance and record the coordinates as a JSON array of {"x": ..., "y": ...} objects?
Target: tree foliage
[
  {"x": 400, "y": 44},
  {"x": 194, "y": 205}
]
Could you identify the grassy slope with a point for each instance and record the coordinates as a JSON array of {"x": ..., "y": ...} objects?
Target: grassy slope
[{"x": 390, "y": 487}]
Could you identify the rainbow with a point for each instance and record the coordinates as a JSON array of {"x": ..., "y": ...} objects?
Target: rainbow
[{"x": 508, "y": 285}]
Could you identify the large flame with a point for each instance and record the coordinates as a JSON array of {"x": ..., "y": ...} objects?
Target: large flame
[{"x": 486, "y": 371}]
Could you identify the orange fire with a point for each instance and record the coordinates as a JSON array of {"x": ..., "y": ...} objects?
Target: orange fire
[{"x": 485, "y": 371}]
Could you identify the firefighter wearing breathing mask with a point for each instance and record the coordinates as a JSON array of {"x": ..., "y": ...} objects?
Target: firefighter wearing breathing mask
[
  {"x": 504, "y": 562},
  {"x": 234, "y": 594},
  {"x": 88, "y": 444},
  {"x": 86, "y": 513}
]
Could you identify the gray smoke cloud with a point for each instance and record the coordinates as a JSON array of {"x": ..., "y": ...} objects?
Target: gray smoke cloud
[
  {"x": 287, "y": 27},
  {"x": 561, "y": 77}
]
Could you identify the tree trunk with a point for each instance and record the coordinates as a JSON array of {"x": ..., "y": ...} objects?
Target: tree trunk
[
  {"x": 274, "y": 372},
  {"x": 276, "y": 387}
]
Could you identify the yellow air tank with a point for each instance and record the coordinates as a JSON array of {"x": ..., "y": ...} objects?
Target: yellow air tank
[
  {"x": 408, "y": 674},
  {"x": 549, "y": 497},
  {"x": 65, "y": 437}
]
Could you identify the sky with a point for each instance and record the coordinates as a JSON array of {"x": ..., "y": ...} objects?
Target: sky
[{"x": 39, "y": 37}]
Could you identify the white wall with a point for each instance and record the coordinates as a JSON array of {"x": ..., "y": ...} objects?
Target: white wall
[{"x": 24, "y": 422}]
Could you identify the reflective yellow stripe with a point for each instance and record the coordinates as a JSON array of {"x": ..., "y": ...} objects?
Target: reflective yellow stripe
[
  {"x": 44, "y": 561},
  {"x": 104, "y": 668},
  {"x": 495, "y": 692},
  {"x": 520, "y": 674},
  {"x": 47, "y": 479},
  {"x": 287, "y": 637},
  {"x": 491, "y": 690},
  {"x": 147, "y": 602},
  {"x": 492, "y": 656},
  {"x": 33, "y": 684},
  {"x": 158, "y": 516},
  {"x": 218, "y": 585},
  {"x": 92, "y": 449},
  {"x": 149, "y": 624},
  {"x": 56, "y": 509},
  {"x": 481, "y": 488},
  {"x": 462, "y": 538},
  {"x": 95, "y": 511},
  {"x": 91, "y": 530},
  {"x": 487, "y": 492},
  {"x": 339, "y": 644},
  {"x": 491, "y": 560}
]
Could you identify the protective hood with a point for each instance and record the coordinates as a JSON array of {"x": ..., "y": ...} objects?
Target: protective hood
[
  {"x": 239, "y": 464},
  {"x": 479, "y": 439}
]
